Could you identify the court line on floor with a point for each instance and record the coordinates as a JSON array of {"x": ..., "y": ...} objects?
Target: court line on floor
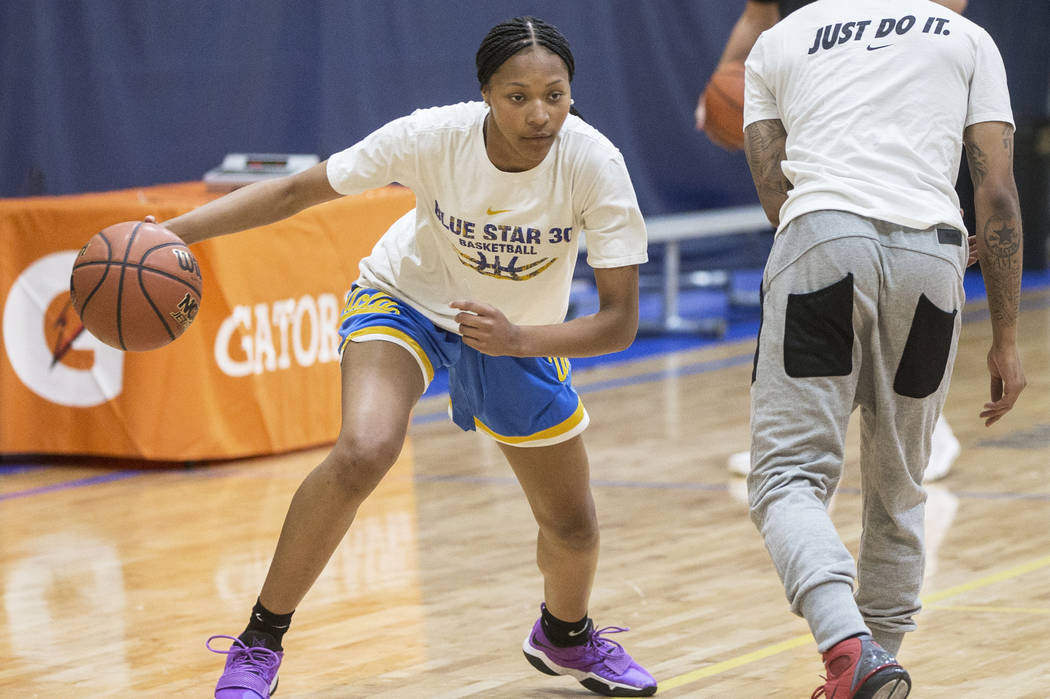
[
  {"x": 791, "y": 643},
  {"x": 988, "y": 580},
  {"x": 66, "y": 485},
  {"x": 510, "y": 481}
]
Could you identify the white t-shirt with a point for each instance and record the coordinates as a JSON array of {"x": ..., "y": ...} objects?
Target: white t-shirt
[
  {"x": 874, "y": 96},
  {"x": 508, "y": 239}
]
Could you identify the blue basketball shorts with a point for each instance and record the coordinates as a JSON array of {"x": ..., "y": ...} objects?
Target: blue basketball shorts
[{"x": 520, "y": 401}]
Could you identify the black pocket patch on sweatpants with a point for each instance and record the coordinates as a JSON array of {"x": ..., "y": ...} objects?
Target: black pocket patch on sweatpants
[
  {"x": 926, "y": 352},
  {"x": 818, "y": 332}
]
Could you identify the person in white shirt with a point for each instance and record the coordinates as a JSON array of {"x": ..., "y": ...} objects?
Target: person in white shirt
[
  {"x": 476, "y": 278},
  {"x": 855, "y": 117},
  {"x": 756, "y": 17}
]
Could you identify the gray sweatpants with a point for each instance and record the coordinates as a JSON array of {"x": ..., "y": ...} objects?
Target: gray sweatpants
[{"x": 855, "y": 313}]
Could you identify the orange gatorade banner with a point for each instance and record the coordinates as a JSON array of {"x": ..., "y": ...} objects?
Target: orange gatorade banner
[{"x": 256, "y": 373}]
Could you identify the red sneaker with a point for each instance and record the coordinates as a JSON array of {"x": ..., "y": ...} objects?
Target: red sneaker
[{"x": 859, "y": 668}]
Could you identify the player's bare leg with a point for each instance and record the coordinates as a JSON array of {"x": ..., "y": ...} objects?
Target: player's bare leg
[
  {"x": 556, "y": 481},
  {"x": 563, "y": 641},
  {"x": 381, "y": 382}
]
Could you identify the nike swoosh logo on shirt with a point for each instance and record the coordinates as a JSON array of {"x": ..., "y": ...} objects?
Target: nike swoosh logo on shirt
[
  {"x": 492, "y": 212},
  {"x": 876, "y": 48}
]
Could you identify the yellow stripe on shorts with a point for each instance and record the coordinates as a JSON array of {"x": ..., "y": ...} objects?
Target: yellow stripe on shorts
[
  {"x": 399, "y": 337},
  {"x": 567, "y": 425}
]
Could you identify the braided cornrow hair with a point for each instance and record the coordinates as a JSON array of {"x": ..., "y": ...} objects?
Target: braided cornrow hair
[{"x": 508, "y": 38}]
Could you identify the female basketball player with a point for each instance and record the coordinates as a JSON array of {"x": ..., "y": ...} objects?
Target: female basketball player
[{"x": 504, "y": 188}]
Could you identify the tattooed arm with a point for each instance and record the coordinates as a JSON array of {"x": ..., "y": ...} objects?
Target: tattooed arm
[
  {"x": 764, "y": 145},
  {"x": 989, "y": 151}
]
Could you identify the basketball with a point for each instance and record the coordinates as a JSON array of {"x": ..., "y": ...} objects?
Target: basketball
[
  {"x": 136, "y": 286},
  {"x": 724, "y": 103}
]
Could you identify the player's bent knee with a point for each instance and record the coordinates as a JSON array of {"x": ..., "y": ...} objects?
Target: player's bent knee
[
  {"x": 578, "y": 532},
  {"x": 361, "y": 463}
]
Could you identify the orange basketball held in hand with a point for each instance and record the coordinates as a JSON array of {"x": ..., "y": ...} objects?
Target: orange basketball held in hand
[
  {"x": 136, "y": 286},
  {"x": 724, "y": 105}
]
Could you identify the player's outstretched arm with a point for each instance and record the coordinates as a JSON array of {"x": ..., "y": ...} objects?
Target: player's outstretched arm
[
  {"x": 257, "y": 204},
  {"x": 989, "y": 152},
  {"x": 764, "y": 143}
]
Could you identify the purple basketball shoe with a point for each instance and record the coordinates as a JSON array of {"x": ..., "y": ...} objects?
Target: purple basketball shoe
[
  {"x": 251, "y": 671},
  {"x": 600, "y": 665}
]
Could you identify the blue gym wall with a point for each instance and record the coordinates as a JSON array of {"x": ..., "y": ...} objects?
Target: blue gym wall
[{"x": 107, "y": 94}]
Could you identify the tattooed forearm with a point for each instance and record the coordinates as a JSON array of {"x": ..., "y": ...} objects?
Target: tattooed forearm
[
  {"x": 1001, "y": 238},
  {"x": 765, "y": 152},
  {"x": 989, "y": 150},
  {"x": 764, "y": 143},
  {"x": 1000, "y": 245},
  {"x": 978, "y": 162}
]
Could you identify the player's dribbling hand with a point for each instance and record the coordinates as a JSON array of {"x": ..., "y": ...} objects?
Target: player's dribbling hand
[
  {"x": 1007, "y": 382},
  {"x": 486, "y": 329}
]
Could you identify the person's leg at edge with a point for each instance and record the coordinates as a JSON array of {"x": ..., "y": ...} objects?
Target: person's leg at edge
[
  {"x": 556, "y": 482},
  {"x": 381, "y": 382}
]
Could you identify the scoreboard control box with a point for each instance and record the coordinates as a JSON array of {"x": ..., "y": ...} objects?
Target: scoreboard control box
[{"x": 239, "y": 169}]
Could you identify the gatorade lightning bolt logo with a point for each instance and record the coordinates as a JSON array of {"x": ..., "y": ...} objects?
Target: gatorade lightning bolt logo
[
  {"x": 63, "y": 340},
  {"x": 46, "y": 344}
]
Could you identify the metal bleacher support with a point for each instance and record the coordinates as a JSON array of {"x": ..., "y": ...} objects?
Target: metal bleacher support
[{"x": 669, "y": 231}]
